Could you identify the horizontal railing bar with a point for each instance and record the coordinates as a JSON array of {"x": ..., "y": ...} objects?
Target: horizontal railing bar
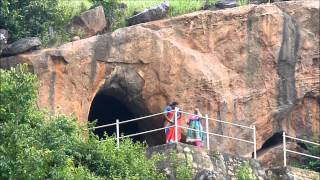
[
  {"x": 226, "y": 122},
  {"x": 220, "y": 121},
  {"x": 295, "y": 152},
  {"x": 190, "y": 114},
  {"x": 219, "y": 135},
  {"x": 145, "y": 132},
  {"x": 130, "y": 120},
  {"x": 183, "y": 127},
  {"x": 102, "y": 126},
  {"x": 302, "y": 140},
  {"x": 144, "y": 117}
]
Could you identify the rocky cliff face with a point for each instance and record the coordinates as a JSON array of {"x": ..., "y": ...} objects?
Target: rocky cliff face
[{"x": 256, "y": 64}]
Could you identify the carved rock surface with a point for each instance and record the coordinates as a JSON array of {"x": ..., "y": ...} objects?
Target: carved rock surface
[{"x": 253, "y": 65}]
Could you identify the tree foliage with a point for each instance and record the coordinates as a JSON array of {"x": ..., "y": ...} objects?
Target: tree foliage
[
  {"x": 37, "y": 18},
  {"x": 35, "y": 145},
  {"x": 308, "y": 162},
  {"x": 112, "y": 11}
]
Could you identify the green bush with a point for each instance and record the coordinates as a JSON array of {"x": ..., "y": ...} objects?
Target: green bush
[
  {"x": 25, "y": 18},
  {"x": 118, "y": 17},
  {"x": 47, "y": 19},
  {"x": 243, "y": 2},
  {"x": 34, "y": 145},
  {"x": 182, "y": 167},
  {"x": 308, "y": 162},
  {"x": 244, "y": 172}
]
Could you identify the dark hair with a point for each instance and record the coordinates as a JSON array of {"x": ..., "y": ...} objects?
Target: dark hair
[{"x": 174, "y": 103}]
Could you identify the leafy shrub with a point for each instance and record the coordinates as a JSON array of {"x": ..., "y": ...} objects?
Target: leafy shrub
[
  {"x": 41, "y": 18},
  {"x": 182, "y": 167},
  {"x": 118, "y": 16},
  {"x": 243, "y": 2},
  {"x": 244, "y": 172},
  {"x": 308, "y": 162},
  {"x": 112, "y": 12},
  {"x": 34, "y": 145}
]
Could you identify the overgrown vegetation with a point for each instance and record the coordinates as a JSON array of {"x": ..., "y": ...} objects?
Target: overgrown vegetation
[
  {"x": 35, "y": 145},
  {"x": 48, "y": 19},
  {"x": 181, "y": 167},
  {"x": 244, "y": 172},
  {"x": 308, "y": 162},
  {"x": 119, "y": 15},
  {"x": 243, "y": 2},
  {"x": 40, "y": 18}
]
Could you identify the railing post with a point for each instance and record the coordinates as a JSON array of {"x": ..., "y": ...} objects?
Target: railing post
[
  {"x": 176, "y": 124},
  {"x": 284, "y": 149},
  {"x": 118, "y": 133},
  {"x": 207, "y": 130},
  {"x": 254, "y": 142}
]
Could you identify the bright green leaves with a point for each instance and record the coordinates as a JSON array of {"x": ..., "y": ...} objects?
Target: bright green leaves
[{"x": 35, "y": 145}]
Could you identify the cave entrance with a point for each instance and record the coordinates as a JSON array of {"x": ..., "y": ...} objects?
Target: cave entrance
[
  {"x": 106, "y": 109},
  {"x": 273, "y": 141}
]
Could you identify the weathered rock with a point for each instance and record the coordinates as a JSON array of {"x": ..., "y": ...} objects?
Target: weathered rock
[
  {"x": 75, "y": 38},
  {"x": 215, "y": 165},
  {"x": 22, "y": 45},
  {"x": 205, "y": 165},
  {"x": 223, "y": 4},
  {"x": 291, "y": 173},
  {"x": 89, "y": 23},
  {"x": 154, "y": 13},
  {"x": 256, "y": 64}
]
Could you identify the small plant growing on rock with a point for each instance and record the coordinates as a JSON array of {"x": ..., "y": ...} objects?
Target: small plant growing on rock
[
  {"x": 244, "y": 172},
  {"x": 243, "y": 2},
  {"x": 181, "y": 166},
  {"x": 214, "y": 153}
]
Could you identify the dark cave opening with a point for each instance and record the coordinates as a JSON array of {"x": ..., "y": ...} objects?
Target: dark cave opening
[
  {"x": 106, "y": 109},
  {"x": 273, "y": 141}
]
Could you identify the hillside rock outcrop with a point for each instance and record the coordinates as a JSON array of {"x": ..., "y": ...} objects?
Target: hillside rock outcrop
[
  {"x": 253, "y": 65},
  {"x": 21, "y": 46},
  {"x": 89, "y": 23}
]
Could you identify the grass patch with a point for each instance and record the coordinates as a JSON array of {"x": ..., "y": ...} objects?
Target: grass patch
[
  {"x": 177, "y": 7},
  {"x": 69, "y": 9}
]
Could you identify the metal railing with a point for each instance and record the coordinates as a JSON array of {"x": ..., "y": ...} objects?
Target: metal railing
[
  {"x": 285, "y": 150},
  {"x": 176, "y": 126}
]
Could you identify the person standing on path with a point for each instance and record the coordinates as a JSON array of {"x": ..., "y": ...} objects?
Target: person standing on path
[
  {"x": 195, "y": 131},
  {"x": 169, "y": 119}
]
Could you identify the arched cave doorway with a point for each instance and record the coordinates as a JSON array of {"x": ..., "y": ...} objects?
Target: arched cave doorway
[
  {"x": 106, "y": 109},
  {"x": 273, "y": 141}
]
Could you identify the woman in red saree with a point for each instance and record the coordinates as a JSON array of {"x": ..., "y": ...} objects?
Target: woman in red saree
[{"x": 169, "y": 121}]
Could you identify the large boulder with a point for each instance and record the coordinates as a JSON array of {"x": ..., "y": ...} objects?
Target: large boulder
[
  {"x": 205, "y": 165},
  {"x": 154, "y": 13},
  {"x": 252, "y": 65},
  {"x": 222, "y": 4},
  {"x": 22, "y": 45},
  {"x": 89, "y": 23}
]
